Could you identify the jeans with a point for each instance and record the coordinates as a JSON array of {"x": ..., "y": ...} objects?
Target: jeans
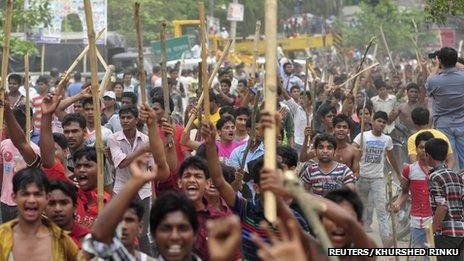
[
  {"x": 418, "y": 240},
  {"x": 456, "y": 139},
  {"x": 450, "y": 242},
  {"x": 376, "y": 187}
]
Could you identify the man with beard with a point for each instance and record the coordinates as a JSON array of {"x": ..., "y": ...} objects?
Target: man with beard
[
  {"x": 345, "y": 152},
  {"x": 226, "y": 131},
  {"x": 327, "y": 174},
  {"x": 31, "y": 235},
  {"x": 61, "y": 208},
  {"x": 403, "y": 111}
]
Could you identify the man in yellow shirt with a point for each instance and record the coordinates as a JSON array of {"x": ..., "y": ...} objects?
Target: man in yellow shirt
[
  {"x": 213, "y": 109},
  {"x": 420, "y": 116}
]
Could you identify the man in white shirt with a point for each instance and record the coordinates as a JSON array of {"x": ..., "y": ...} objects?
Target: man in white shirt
[{"x": 384, "y": 102}]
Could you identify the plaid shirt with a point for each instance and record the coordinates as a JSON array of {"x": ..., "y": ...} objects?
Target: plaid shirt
[{"x": 446, "y": 189}]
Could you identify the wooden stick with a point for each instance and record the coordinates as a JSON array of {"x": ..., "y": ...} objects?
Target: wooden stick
[
  {"x": 388, "y": 49},
  {"x": 42, "y": 60},
  {"x": 28, "y": 103},
  {"x": 96, "y": 101},
  {"x": 270, "y": 211},
  {"x": 460, "y": 48},
  {"x": 102, "y": 60},
  {"x": 362, "y": 123},
  {"x": 204, "y": 58},
  {"x": 164, "y": 80},
  {"x": 255, "y": 48},
  {"x": 210, "y": 82},
  {"x": 392, "y": 215},
  {"x": 371, "y": 41},
  {"x": 310, "y": 208},
  {"x": 78, "y": 59},
  {"x": 6, "y": 52},
  {"x": 106, "y": 79},
  {"x": 356, "y": 75},
  {"x": 305, "y": 94},
  {"x": 142, "y": 76},
  {"x": 254, "y": 113}
]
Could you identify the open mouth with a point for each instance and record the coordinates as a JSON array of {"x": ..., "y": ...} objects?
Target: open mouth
[
  {"x": 192, "y": 191},
  {"x": 82, "y": 180},
  {"x": 338, "y": 234},
  {"x": 31, "y": 211},
  {"x": 174, "y": 249}
]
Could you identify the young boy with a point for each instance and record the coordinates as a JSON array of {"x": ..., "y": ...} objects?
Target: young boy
[
  {"x": 415, "y": 182},
  {"x": 376, "y": 146},
  {"x": 241, "y": 117},
  {"x": 345, "y": 152},
  {"x": 31, "y": 235}
]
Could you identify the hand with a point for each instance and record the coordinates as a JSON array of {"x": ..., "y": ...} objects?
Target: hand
[
  {"x": 63, "y": 83},
  {"x": 167, "y": 127},
  {"x": 436, "y": 227},
  {"x": 272, "y": 180},
  {"x": 49, "y": 103},
  {"x": 288, "y": 248},
  {"x": 208, "y": 131},
  {"x": 307, "y": 131},
  {"x": 86, "y": 92},
  {"x": 394, "y": 207},
  {"x": 267, "y": 121},
  {"x": 224, "y": 238},
  {"x": 147, "y": 115},
  {"x": 6, "y": 103},
  {"x": 140, "y": 171},
  {"x": 283, "y": 112},
  {"x": 193, "y": 111},
  {"x": 239, "y": 174}
]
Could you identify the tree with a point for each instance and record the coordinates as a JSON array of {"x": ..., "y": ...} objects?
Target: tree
[
  {"x": 37, "y": 13},
  {"x": 440, "y": 10}
]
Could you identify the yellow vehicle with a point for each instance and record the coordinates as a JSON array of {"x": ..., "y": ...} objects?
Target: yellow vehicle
[{"x": 293, "y": 47}]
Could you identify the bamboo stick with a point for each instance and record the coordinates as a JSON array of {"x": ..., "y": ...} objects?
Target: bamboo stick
[
  {"x": 460, "y": 48},
  {"x": 106, "y": 79},
  {"x": 102, "y": 60},
  {"x": 388, "y": 49},
  {"x": 356, "y": 75},
  {"x": 204, "y": 58},
  {"x": 96, "y": 101},
  {"x": 210, "y": 82},
  {"x": 255, "y": 48},
  {"x": 310, "y": 208},
  {"x": 270, "y": 211},
  {"x": 254, "y": 113},
  {"x": 164, "y": 80},
  {"x": 5, "y": 56},
  {"x": 305, "y": 95},
  {"x": 78, "y": 59},
  {"x": 42, "y": 60},
  {"x": 28, "y": 98},
  {"x": 371, "y": 42},
  {"x": 138, "y": 30},
  {"x": 392, "y": 215},
  {"x": 362, "y": 123}
]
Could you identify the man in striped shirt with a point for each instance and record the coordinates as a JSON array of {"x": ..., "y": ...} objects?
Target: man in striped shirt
[
  {"x": 446, "y": 199},
  {"x": 327, "y": 174}
]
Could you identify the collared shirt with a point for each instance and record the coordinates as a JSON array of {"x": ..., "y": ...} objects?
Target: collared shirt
[
  {"x": 447, "y": 92},
  {"x": 299, "y": 118},
  {"x": 446, "y": 189},
  {"x": 251, "y": 214},
  {"x": 63, "y": 247},
  {"x": 114, "y": 123},
  {"x": 291, "y": 80},
  {"x": 120, "y": 147},
  {"x": 387, "y": 106},
  {"x": 237, "y": 154}
]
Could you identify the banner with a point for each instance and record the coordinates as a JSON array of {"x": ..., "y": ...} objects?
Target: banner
[{"x": 235, "y": 12}]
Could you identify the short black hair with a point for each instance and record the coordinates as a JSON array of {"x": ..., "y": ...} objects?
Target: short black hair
[
  {"x": 254, "y": 169},
  {"x": 28, "y": 176},
  {"x": 213, "y": 97},
  {"x": 325, "y": 137},
  {"x": 87, "y": 152},
  {"x": 60, "y": 139},
  {"x": 340, "y": 195},
  {"x": 74, "y": 117},
  {"x": 15, "y": 77},
  {"x": 136, "y": 205},
  {"x": 412, "y": 85},
  {"x": 368, "y": 107},
  {"x": 226, "y": 109},
  {"x": 437, "y": 149},
  {"x": 242, "y": 111},
  {"x": 223, "y": 120},
  {"x": 87, "y": 100},
  {"x": 289, "y": 155},
  {"x": 127, "y": 72},
  {"x": 19, "y": 113},
  {"x": 228, "y": 172},
  {"x": 448, "y": 57},
  {"x": 129, "y": 109},
  {"x": 43, "y": 78},
  {"x": 195, "y": 162},
  {"x": 420, "y": 116},
  {"x": 380, "y": 114},
  {"x": 342, "y": 118},
  {"x": 244, "y": 82},
  {"x": 295, "y": 87},
  {"x": 159, "y": 98},
  {"x": 131, "y": 96},
  {"x": 326, "y": 110},
  {"x": 67, "y": 188},
  {"x": 379, "y": 83},
  {"x": 226, "y": 81},
  {"x": 172, "y": 202},
  {"x": 77, "y": 76},
  {"x": 423, "y": 136}
]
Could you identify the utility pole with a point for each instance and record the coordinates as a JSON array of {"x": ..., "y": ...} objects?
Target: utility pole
[{"x": 233, "y": 30}]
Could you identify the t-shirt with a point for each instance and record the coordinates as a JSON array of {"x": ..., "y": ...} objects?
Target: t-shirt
[
  {"x": 12, "y": 162},
  {"x": 436, "y": 133},
  {"x": 321, "y": 183},
  {"x": 213, "y": 117},
  {"x": 36, "y": 104},
  {"x": 373, "y": 155},
  {"x": 224, "y": 150}
]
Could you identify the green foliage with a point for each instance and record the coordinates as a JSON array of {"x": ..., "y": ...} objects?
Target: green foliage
[
  {"x": 440, "y": 10},
  {"x": 397, "y": 26},
  {"x": 38, "y": 13}
]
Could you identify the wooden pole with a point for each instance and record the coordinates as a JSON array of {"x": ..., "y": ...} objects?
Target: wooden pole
[
  {"x": 6, "y": 52},
  {"x": 42, "y": 60},
  {"x": 270, "y": 211},
  {"x": 102, "y": 60},
  {"x": 210, "y": 82},
  {"x": 388, "y": 49},
  {"x": 138, "y": 30},
  {"x": 371, "y": 42},
  {"x": 164, "y": 80},
  {"x": 106, "y": 79},
  {"x": 460, "y": 48},
  {"x": 255, "y": 48},
  {"x": 356, "y": 75},
  {"x": 204, "y": 58},
  {"x": 305, "y": 94},
  {"x": 96, "y": 101},
  {"x": 392, "y": 215},
  {"x": 28, "y": 98},
  {"x": 362, "y": 123}
]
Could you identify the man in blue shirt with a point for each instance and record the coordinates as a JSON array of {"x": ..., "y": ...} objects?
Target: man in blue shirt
[{"x": 76, "y": 87}]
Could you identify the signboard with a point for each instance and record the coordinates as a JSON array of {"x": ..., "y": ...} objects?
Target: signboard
[
  {"x": 175, "y": 47},
  {"x": 235, "y": 12},
  {"x": 62, "y": 9}
]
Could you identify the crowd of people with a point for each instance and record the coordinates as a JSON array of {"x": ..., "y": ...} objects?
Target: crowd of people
[{"x": 179, "y": 191}]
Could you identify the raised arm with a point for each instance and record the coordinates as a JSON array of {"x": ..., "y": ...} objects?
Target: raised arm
[
  {"x": 46, "y": 143},
  {"x": 208, "y": 132},
  {"x": 105, "y": 225},
  {"x": 65, "y": 103}
]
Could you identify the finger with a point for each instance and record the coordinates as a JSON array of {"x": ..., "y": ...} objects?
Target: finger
[
  {"x": 293, "y": 230},
  {"x": 260, "y": 243},
  {"x": 283, "y": 230},
  {"x": 269, "y": 232}
]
